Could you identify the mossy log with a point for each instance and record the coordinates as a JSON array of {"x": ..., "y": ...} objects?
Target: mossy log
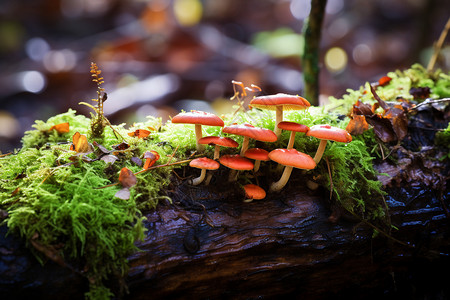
[{"x": 212, "y": 245}]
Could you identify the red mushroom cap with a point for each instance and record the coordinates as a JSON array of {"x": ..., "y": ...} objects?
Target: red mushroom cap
[
  {"x": 198, "y": 117},
  {"x": 257, "y": 133},
  {"x": 236, "y": 162},
  {"x": 252, "y": 191},
  {"x": 327, "y": 132},
  {"x": 217, "y": 140},
  {"x": 204, "y": 163},
  {"x": 289, "y": 102},
  {"x": 257, "y": 154},
  {"x": 292, "y": 158},
  {"x": 293, "y": 126}
]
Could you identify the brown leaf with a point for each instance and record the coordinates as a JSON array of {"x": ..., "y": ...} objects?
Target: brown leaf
[
  {"x": 357, "y": 125},
  {"x": 127, "y": 178}
]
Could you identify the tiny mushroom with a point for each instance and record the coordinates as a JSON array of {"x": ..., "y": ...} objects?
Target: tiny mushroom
[
  {"x": 250, "y": 132},
  {"x": 279, "y": 103},
  {"x": 290, "y": 158},
  {"x": 235, "y": 162},
  {"x": 150, "y": 158},
  {"x": 258, "y": 155},
  {"x": 253, "y": 192},
  {"x": 218, "y": 141},
  {"x": 325, "y": 133},
  {"x": 204, "y": 164},
  {"x": 293, "y": 127},
  {"x": 198, "y": 118}
]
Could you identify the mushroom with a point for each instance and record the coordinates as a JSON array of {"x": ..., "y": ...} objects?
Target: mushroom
[
  {"x": 279, "y": 103},
  {"x": 290, "y": 158},
  {"x": 325, "y": 133},
  {"x": 198, "y": 118},
  {"x": 249, "y": 131},
  {"x": 253, "y": 192},
  {"x": 257, "y": 154},
  {"x": 218, "y": 141},
  {"x": 204, "y": 164},
  {"x": 236, "y": 162},
  {"x": 293, "y": 128},
  {"x": 150, "y": 158}
]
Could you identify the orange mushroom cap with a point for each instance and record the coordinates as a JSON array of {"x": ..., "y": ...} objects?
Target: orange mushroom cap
[
  {"x": 256, "y": 133},
  {"x": 204, "y": 163},
  {"x": 257, "y": 154},
  {"x": 289, "y": 102},
  {"x": 252, "y": 191},
  {"x": 293, "y": 126},
  {"x": 292, "y": 158},
  {"x": 327, "y": 132},
  {"x": 236, "y": 162},
  {"x": 198, "y": 117}
]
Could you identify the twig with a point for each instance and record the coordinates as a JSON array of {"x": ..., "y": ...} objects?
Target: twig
[
  {"x": 438, "y": 46},
  {"x": 429, "y": 101}
]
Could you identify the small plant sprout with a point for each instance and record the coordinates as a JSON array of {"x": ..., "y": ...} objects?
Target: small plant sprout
[
  {"x": 290, "y": 158},
  {"x": 258, "y": 155},
  {"x": 293, "y": 128},
  {"x": 253, "y": 192},
  {"x": 204, "y": 164},
  {"x": 279, "y": 103},
  {"x": 325, "y": 133},
  {"x": 236, "y": 163},
  {"x": 198, "y": 118},
  {"x": 240, "y": 92}
]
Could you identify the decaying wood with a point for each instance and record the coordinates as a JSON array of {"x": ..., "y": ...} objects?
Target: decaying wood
[{"x": 209, "y": 244}]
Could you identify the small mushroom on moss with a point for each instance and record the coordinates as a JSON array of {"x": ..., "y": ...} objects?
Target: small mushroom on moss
[
  {"x": 218, "y": 141},
  {"x": 249, "y": 131},
  {"x": 290, "y": 158},
  {"x": 258, "y": 155},
  {"x": 293, "y": 127},
  {"x": 253, "y": 192},
  {"x": 325, "y": 133},
  {"x": 150, "y": 158},
  {"x": 204, "y": 164},
  {"x": 279, "y": 103},
  {"x": 236, "y": 162},
  {"x": 198, "y": 118}
]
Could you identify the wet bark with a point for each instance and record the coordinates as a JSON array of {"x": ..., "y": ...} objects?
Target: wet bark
[{"x": 209, "y": 244}]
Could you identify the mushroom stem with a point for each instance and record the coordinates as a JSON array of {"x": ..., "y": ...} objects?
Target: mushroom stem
[
  {"x": 257, "y": 164},
  {"x": 198, "y": 135},
  {"x": 233, "y": 175},
  {"x": 320, "y": 150},
  {"x": 276, "y": 186},
  {"x": 244, "y": 147},
  {"x": 291, "y": 140},
  {"x": 216, "y": 152},
  {"x": 198, "y": 180},
  {"x": 278, "y": 119}
]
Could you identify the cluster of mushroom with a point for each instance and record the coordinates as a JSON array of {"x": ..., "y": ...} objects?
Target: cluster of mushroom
[{"x": 289, "y": 157}]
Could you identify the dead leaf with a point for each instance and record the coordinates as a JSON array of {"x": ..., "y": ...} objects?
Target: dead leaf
[
  {"x": 127, "y": 178},
  {"x": 80, "y": 143},
  {"x": 109, "y": 158},
  {"x": 357, "y": 125},
  {"x": 60, "y": 128},
  {"x": 140, "y": 133}
]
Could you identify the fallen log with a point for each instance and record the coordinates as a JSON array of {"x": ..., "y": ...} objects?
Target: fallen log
[{"x": 209, "y": 244}]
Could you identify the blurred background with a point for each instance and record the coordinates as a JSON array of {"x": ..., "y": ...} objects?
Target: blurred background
[{"x": 161, "y": 56}]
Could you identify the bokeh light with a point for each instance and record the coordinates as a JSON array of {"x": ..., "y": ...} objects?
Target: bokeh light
[{"x": 336, "y": 59}]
